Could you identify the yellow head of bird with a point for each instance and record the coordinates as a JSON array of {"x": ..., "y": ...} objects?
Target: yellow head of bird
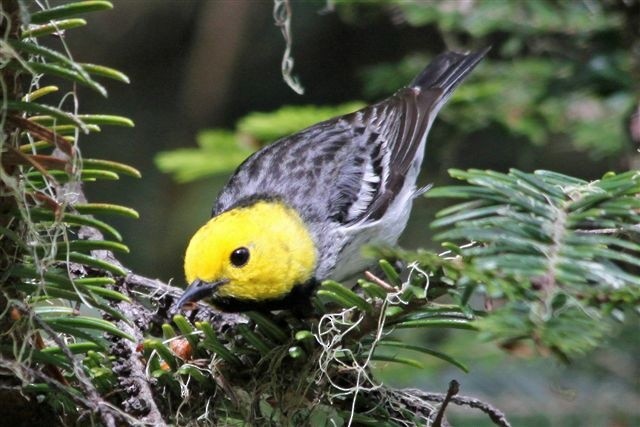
[{"x": 253, "y": 253}]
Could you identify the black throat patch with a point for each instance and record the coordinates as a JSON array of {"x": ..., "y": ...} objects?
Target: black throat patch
[{"x": 298, "y": 300}]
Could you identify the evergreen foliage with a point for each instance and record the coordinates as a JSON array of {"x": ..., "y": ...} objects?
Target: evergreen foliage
[
  {"x": 538, "y": 258},
  {"x": 56, "y": 296}
]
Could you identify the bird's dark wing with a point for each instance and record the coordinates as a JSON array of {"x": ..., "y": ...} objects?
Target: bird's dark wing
[
  {"x": 318, "y": 171},
  {"x": 403, "y": 121},
  {"x": 350, "y": 168}
]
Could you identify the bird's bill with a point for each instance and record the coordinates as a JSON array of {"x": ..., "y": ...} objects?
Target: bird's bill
[{"x": 199, "y": 290}]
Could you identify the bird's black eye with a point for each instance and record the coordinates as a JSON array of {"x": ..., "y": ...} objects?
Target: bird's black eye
[{"x": 239, "y": 257}]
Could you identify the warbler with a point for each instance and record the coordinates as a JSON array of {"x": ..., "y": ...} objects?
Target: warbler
[{"x": 299, "y": 210}]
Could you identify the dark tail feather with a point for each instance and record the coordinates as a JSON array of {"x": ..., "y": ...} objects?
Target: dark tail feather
[{"x": 447, "y": 71}]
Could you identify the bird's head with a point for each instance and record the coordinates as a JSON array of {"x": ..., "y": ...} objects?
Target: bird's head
[{"x": 254, "y": 253}]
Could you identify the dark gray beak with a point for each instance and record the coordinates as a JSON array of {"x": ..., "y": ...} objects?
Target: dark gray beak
[{"x": 199, "y": 290}]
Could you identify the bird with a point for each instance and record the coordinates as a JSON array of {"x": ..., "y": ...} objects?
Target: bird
[{"x": 299, "y": 210}]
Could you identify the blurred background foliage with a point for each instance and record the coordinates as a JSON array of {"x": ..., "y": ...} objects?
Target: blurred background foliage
[{"x": 558, "y": 92}]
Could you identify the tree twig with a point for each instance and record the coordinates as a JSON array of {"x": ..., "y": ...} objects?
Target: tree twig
[
  {"x": 454, "y": 387},
  {"x": 128, "y": 366},
  {"x": 495, "y": 414}
]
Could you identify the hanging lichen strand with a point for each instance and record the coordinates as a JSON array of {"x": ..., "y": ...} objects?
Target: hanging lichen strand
[{"x": 50, "y": 270}]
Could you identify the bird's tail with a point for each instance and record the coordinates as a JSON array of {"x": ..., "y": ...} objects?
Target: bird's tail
[{"x": 447, "y": 71}]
